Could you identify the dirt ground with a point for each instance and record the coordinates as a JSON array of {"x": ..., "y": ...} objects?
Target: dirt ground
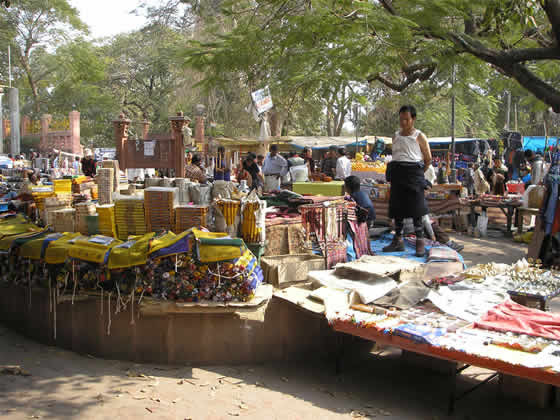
[{"x": 65, "y": 385}]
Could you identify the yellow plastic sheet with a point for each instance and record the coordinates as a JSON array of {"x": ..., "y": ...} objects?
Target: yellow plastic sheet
[
  {"x": 18, "y": 228},
  {"x": 7, "y": 241},
  {"x": 137, "y": 254},
  {"x": 57, "y": 251},
  {"x": 86, "y": 249}
]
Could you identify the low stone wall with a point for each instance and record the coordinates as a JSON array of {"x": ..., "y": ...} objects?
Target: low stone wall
[{"x": 276, "y": 331}]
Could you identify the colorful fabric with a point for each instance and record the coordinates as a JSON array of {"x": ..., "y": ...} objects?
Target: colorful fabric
[
  {"x": 360, "y": 236},
  {"x": 511, "y": 316}
]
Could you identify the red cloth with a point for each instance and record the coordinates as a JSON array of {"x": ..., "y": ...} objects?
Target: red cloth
[{"x": 510, "y": 316}]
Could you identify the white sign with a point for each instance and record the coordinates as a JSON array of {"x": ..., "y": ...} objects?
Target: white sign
[
  {"x": 262, "y": 100},
  {"x": 149, "y": 147}
]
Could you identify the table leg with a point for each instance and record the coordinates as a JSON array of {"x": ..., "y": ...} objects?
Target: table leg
[
  {"x": 509, "y": 221},
  {"x": 519, "y": 221}
]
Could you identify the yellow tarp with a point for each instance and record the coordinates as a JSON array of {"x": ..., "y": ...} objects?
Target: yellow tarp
[
  {"x": 57, "y": 251},
  {"x": 86, "y": 249},
  {"x": 137, "y": 254},
  {"x": 7, "y": 241},
  {"x": 166, "y": 240},
  {"x": 215, "y": 253},
  {"x": 33, "y": 249},
  {"x": 18, "y": 228}
]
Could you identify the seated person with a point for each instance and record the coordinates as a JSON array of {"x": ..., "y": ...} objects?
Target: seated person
[{"x": 352, "y": 186}]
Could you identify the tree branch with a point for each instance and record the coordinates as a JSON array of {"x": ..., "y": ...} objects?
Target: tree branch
[
  {"x": 552, "y": 10},
  {"x": 412, "y": 73},
  {"x": 388, "y": 5}
]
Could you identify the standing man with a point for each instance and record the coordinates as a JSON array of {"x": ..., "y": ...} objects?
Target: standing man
[
  {"x": 89, "y": 165},
  {"x": 343, "y": 165},
  {"x": 411, "y": 154},
  {"x": 274, "y": 168},
  {"x": 329, "y": 163},
  {"x": 77, "y": 166}
]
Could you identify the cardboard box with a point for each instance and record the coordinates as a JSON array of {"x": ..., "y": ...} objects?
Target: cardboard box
[{"x": 285, "y": 270}]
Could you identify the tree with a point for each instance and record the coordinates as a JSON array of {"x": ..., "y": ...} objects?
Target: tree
[
  {"x": 33, "y": 24},
  {"x": 395, "y": 43}
]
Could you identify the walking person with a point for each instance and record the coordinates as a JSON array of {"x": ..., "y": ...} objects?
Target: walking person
[{"x": 411, "y": 154}]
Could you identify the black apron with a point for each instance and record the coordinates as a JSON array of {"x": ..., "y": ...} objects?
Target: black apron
[{"x": 407, "y": 190}]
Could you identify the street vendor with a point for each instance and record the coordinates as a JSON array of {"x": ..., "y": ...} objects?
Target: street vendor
[
  {"x": 328, "y": 166},
  {"x": 352, "y": 187},
  {"x": 194, "y": 171},
  {"x": 307, "y": 155},
  {"x": 274, "y": 168},
  {"x": 411, "y": 154}
]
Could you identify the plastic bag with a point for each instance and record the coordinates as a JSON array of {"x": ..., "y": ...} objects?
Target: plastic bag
[
  {"x": 200, "y": 194},
  {"x": 482, "y": 224}
]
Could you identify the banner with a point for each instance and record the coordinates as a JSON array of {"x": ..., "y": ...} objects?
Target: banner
[{"x": 262, "y": 100}]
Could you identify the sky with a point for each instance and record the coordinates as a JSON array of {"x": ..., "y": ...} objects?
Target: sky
[{"x": 108, "y": 17}]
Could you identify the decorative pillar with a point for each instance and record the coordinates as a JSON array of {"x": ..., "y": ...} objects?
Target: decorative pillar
[
  {"x": 177, "y": 124},
  {"x": 44, "y": 142},
  {"x": 121, "y": 136},
  {"x": 199, "y": 132},
  {"x": 74, "y": 118},
  {"x": 145, "y": 129}
]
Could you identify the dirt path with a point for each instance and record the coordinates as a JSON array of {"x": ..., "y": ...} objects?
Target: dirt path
[{"x": 66, "y": 385}]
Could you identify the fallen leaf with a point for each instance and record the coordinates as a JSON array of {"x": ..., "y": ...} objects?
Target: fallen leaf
[
  {"x": 284, "y": 379},
  {"x": 34, "y": 417},
  {"x": 385, "y": 412},
  {"x": 13, "y": 370},
  {"x": 142, "y": 390},
  {"x": 259, "y": 384},
  {"x": 234, "y": 414},
  {"x": 155, "y": 399},
  {"x": 138, "y": 398},
  {"x": 181, "y": 382},
  {"x": 99, "y": 397},
  {"x": 357, "y": 414},
  {"x": 149, "y": 409},
  {"x": 243, "y": 406},
  {"x": 176, "y": 400}
]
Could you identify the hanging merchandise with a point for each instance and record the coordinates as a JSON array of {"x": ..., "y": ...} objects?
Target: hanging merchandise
[
  {"x": 253, "y": 212},
  {"x": 227, "y": 214}
]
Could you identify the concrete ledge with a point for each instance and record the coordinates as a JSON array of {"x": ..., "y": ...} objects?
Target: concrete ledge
[{"x": 275, "y": 331}]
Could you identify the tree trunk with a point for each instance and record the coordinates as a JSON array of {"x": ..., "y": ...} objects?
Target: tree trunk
[
  {"x": 329, "y": 121},
  {"x": 34, "y": 91},
  {"x": 276, "y": 122},
  {"x": 339, "y": 123}
]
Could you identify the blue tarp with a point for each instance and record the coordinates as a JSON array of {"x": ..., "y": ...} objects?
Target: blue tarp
[{"x": 536, "y": 143}]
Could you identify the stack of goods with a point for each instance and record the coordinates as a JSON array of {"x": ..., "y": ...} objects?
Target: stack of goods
[
  {"x": 106, "y": 220},
  {"x": 55, "y": 203},
  {"x": 187, "y": 217},
  {"x": 64, "y": 220},
  {"x": 159, "y": 204},
  {"x": 83, "y": 210},
  {"x": 106, "y": 184},
  {"x": 84, "y": 189},
  {"x": 39, "y": 195},
  {"x": 62, "y": 186},
  {"x": 183, "y": 186},
  {"x": 114, "y": 165},
  {"x": 129, "y": 216},
  {"x": 253, "y": 221}
]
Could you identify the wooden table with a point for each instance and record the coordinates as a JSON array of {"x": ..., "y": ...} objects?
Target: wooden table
[
  {"x": 545, "y": 376},
  {"x": 508, "y": 209},
  {"x": 522, "y": 211}
]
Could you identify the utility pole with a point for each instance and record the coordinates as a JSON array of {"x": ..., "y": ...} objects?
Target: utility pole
[
  {"x": 453, "y": 174},
  {"x": 508, "y": 110},
  {"x": 1, "y": 122},
  {"x": 13, "y": 100}
]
